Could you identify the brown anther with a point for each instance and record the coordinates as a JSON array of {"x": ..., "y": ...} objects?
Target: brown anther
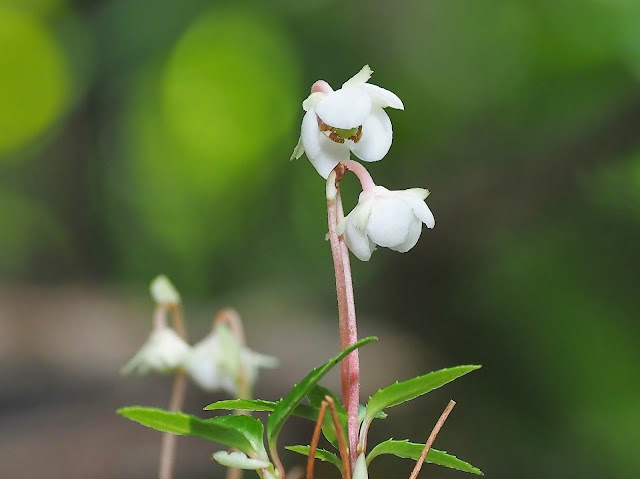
[
  {"x": 356, "y": 138},
  {"x": 324, "y": 127},
  {"x": 335, "y": 137}
]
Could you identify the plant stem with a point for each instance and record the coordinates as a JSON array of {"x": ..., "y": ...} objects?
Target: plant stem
[
  {"x": 168, "y": 446},
  {"x": 432, "y": 438},
  {"x": 350, "y": 366}
]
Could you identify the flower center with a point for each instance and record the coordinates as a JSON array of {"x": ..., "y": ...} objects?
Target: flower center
[{"x": 339, "y": 134}]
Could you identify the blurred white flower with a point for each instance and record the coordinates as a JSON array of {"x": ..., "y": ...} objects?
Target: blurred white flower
[
  {"x": 239, "y": 460},
  {"x": 164, "y": 352},
  {"x": 163, "y": 292},
  {"x": 219, "y": 361},
  {"x": 349, "y": 119},
  {"x": 360, "y": 468},
  {"x": 392, "y": 219}
]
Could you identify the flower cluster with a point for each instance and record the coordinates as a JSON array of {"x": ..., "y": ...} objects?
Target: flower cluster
[
  {"x": 353, "y": 119},
  {"x": 220, "y": 361}
]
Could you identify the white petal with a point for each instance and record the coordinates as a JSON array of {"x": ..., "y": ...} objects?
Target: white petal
[
  {"x": 360, "y": 468},
  {"x": 389, "y": 222},
  {"x": 359, "y": 78},
  {"x": 360, "y": 214},
  {"x": 239, "y": 460},
  {"x": 312, "y": 100},
  {"x": 381, "y": 97},
  {"x": 415, "y": 228},
  {"x": 358, "y": 242},
  {"x": 298, "y": 151},
  {"x": 422, "y": 211},
  {"x": 377, "y": 134},
  {"x": 163, "y": 352},
  {"x": 323, "y": 153},
  {"x": 345, "y": 108},
  {"x": 163, "y": 291},
  {"x": 419, "y": 193},
  {"x": 203, "y": 364}
]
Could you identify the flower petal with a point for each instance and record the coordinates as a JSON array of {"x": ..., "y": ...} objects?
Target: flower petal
[
  {"x": 239, "y": 460},
  {"x": 323, "y": 153},
  {"x": 163, "y": 352},
  {"x": 422, "y": 211},
  {"x": 203, "y": 364},
  {"x": 377, "y": 134},
  {"x": 415, "y": 228},
  {"x": 382, "y": 97},
  {"x": 389, "y": 221},
  {"x": 358, "y": 242},
  {"x": 312, "y": 100},
  {"x": 346, "y": 108},
  {"x": 359, "y": 78}
]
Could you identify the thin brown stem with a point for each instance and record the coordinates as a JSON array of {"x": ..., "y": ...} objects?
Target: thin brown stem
[
  {"x": 178, "y": 393},
  {"x": 342, "y": 446},
  {"x": 432, "y": 438},
  {"x": 315, "y": 439}
]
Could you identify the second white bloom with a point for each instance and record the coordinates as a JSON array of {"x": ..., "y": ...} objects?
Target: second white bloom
[{"x": 392, "y": 219}]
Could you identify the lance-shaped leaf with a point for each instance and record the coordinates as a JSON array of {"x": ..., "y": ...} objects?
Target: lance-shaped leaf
[
  {"x": 220, "y": 430},
  {"x": 321, "y": 454},
  {"x": 400, "y": 392},
  {"x": 243, "y": 405},
  {"x": 287, "y": 405},
  {"x": 410, "y": 450},
  {"x": 316, "y": 395}
]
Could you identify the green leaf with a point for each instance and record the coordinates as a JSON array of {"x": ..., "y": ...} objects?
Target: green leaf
[
  {"x": 243, "y": 405},
  {"x": 316, "y": 395},
  {"x": 405, "y": 391},
  {"x": 410, "y": 450},
  {"x": 216, "y": 430},
  {"x": 287, "y": 405},
  {"x": 321, "y": 454},
  {"x": 362, "y": 411},
  {"x": 250, "y": 427}
]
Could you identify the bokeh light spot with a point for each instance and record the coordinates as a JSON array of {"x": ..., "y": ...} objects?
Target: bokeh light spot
[
  {"x": 34, "y": 80},
  {"x": 228, "y": 87}
]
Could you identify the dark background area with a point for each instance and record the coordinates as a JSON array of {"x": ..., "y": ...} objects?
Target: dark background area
[{"x": 141, "y": 137}]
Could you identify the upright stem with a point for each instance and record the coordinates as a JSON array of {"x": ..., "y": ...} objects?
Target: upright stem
[
  {"x": 350, "y": 366},
  {"x": 168, "y": 446}
]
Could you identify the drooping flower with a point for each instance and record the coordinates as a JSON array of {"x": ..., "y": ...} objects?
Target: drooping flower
[
  {"x": 349, "y": 119},
  {"x": 221, "y": 362},
  {"x": 163, "y": 292},
  {"x": 392, "y": 219},
  {"x": 164, "y": 352}
]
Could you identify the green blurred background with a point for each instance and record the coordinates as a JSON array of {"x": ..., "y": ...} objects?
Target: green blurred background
[{"x": 139, "y": 137}]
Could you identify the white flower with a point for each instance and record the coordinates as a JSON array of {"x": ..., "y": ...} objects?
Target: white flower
[
  {"x": 163, "y": 292},
  {"x": 163, "y": 352},
  {"x": 239, "y": 460},
  {"x": 360, "y": 468},
  {"x": 217, "y": 361},
  {"x": 349, "y": 119},
  {"x": 392, "y": 219}
]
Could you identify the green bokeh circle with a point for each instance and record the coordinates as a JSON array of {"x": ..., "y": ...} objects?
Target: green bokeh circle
[
  {"x": 228, "y": 88},
  {"x": 33, "y": 79}
]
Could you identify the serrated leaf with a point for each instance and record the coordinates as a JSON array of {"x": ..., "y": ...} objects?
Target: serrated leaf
[
  {"x": 362, "y": 411},
  {"x": 187, "y": 425},
  {"x": 287, "y": 405},
  {"x": 242, "y": 405},
  {"x": 250, "y": 427},
  {"x": 321, "y": 454},
  {"x": 410, "y": 450},
  {"x": 400, "y": 392}
]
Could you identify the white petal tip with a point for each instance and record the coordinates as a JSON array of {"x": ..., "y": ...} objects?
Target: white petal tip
[
  {"x": 361, "y": 77},
  {"x": 163, "y": 292}
]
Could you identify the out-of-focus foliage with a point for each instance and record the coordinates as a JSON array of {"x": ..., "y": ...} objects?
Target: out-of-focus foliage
[{"x": 146, "y": 136}]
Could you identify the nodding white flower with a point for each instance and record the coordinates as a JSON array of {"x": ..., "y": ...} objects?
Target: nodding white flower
[
  {"x": 360, "y": 468},
  {"x": 164, "y": 352},
  {"x": 349, "y": 119},
  {"x": 239, "y": 460},
  {"x": 219, "y": 361},
  {"x": 392, "y": 219}
]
